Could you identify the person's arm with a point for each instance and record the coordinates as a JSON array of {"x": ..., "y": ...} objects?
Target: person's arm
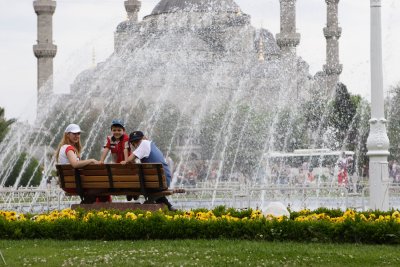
[
  {"x": 104, "y": 155},
  {"x": 126, "y": 154},
  {"x": 79, "y": 163},
  {"x": 129, "y": 159}
]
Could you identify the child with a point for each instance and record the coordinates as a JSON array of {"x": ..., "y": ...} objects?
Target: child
[
  {"x": 117, "y": 143},
  {"x": 147, "y": 152}
]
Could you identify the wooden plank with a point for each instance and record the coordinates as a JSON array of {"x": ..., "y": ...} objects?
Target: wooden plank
[
  {"x": 102, "y": 172},
  {"x": 69, "y": 179},
  {"x": 116, "y": 171},
  {"x": 117, "y": 185},
  {"x": 126, "y": 178},
  {"x": 68, "y": 172},
  {"x": 65, "y": 167},
  {"x": 129, "y": 168}
]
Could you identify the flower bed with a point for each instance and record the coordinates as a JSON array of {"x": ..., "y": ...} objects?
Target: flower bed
[{"x": 322, "y": 225}]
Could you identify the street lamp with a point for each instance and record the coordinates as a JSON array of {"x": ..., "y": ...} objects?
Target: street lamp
[{"x": 378, "y": 141}]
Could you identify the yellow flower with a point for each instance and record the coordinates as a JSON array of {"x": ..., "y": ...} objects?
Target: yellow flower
[
  {"x": 131, "y": 216},
  {"x": 189, "y": 214},
  {"x": 177, "y": 217},
  {"x": 380, "y": 219},
  {"x": 116, "y": 217},
  {"x": 396, "y": 214},
  {"x": 363, "y": 218},
  {"x": 280, "y": 218},
  {"x": 88, "y": 216},
  {"x": 304, "y": 212}
]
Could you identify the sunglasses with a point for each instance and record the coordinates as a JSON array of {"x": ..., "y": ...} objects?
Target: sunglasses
[{"x": 76, "y": 133}]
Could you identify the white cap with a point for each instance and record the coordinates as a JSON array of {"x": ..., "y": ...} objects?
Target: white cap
[{"x": 73, "y": 128}]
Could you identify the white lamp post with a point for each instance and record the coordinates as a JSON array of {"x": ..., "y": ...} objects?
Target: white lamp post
[{"x": 378, "y": 141}]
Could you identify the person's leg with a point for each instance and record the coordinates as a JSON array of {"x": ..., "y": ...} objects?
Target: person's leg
[
  {"x": 130, "y": 197},
  {"x": 102, "y": 199},
  {"x": 88, "y": 199}
]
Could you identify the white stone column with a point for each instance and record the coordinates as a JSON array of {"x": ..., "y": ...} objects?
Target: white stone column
[
  {"x": 132, "y": 7},
  {"x": 121, "y": 35},
  {"x": 378, "y": 141},
  {"x": 288, "y": 39},
  {"x": 332, "y": 33},
  {"x": 44, "y": 50}
]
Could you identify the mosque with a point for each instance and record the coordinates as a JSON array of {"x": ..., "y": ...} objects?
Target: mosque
[{"x": 197, "y": 37}]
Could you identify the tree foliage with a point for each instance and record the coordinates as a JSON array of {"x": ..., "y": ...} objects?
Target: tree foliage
[
  {"x": 394, "y": 124},
  {"x": 30, "y": 176},
  {"x": 4, "y": 124},
  {"x": 344, "y": 108}
]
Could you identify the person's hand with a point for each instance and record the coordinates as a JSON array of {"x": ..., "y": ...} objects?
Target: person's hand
[
  {"x": 101, "y": 162},
  {"x": 123, "y": 162},
  {"x": 93, "y": 161}
]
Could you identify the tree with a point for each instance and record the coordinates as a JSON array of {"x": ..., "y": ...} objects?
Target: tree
[
  {"x": 31, "y": 176},
  {"x": 343, "y": 110},
  {"x": 236, "y": 138},
  {"x": 4, "y": 124},
  {"x": 315, "y": 113},
  {"x": 394, "y": 123}
]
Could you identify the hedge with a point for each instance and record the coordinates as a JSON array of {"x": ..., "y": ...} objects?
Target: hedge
[{"x": 322, "y": 225}]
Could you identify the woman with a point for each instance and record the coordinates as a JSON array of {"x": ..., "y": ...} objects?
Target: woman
[
  {"x": 69, "y": 149},
  {"x": 69, "y": 152}
]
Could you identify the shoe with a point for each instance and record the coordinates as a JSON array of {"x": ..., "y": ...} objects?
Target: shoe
[
  {"x": 165, "y": 201},
  {"x": 130, "y": 197}
]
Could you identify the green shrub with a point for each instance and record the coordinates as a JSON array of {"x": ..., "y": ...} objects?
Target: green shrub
[{"x": 346, "y": 227}]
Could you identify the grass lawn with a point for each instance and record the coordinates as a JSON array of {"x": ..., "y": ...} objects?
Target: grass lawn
[{"x": 193, "y": 253}]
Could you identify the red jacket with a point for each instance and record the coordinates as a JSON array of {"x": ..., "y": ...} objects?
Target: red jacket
[{"x": 117, "y": 147}]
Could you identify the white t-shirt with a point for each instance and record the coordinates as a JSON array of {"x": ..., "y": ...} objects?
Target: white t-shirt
[
  {"x": 62, "y": 156},
  {"x": 143, "y": 150}
]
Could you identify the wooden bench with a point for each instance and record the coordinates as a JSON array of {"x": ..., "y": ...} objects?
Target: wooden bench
[{"x": 134, "y": 180}]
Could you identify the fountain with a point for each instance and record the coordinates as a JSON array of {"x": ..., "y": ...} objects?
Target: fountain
[{"x": 217, "y": 96}]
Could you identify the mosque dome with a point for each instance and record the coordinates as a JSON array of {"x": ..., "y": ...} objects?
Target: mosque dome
[{"x": 173, "y": 6}]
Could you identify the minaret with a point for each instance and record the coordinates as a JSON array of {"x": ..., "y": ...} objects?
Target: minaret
[
  {"x": 44, "y": 50},
  {"x": 132, "y": 7},
  {"x": 332, "y": 33},
  {"x": 288, "y": 39},
  {"x": 121, "y": 36}
]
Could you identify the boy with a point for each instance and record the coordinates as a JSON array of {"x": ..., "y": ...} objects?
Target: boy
[
  {"x": 117, "y": 143},
  {"x": 147, "y": 152}
]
